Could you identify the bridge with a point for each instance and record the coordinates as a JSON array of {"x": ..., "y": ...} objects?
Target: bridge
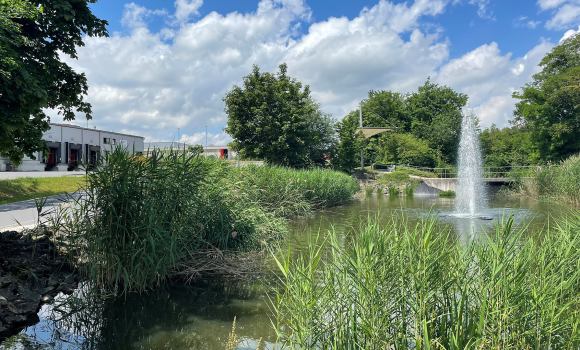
[
  {"x": 446, "y": 179},
  {"x": 450, "y": 184}
]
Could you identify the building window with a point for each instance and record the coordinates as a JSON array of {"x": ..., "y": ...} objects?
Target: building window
[
  {"x": 106, "y": 140},
  {"x": 114, "y": 142}
]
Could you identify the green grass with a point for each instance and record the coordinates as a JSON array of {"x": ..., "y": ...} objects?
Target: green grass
[
  {"x": 31, "y": 188},
  {"x": 409, "y": 191},
  {"x": 393, "y": 191},
  {"x": 396, "y": 178},
  {"x": 447, "y": 194},
  {"x": 379, "y": 191},
  {"x": 146, "y": 218},
  {"x": 402, "y": 286},
  {"x": 415, "y": 172},
  {"x": 560, "y": 181}
]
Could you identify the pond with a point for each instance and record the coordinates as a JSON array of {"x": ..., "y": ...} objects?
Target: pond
[{"x": 200, "y": 316}]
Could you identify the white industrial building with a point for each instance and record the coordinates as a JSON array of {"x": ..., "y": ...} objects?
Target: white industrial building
[
  {"x": 71, "y": 145},
  {"x": 210, "y": 151}
]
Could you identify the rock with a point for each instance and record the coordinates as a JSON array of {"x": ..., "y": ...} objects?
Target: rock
[
  {"x": 70, "y": 279},
  {"x": 3, "y": 301},
  {"x": 47, "y": 299},
  {"x": 66, "y": 289},
  {"x": 13, "y": 308},
  {"x": 49, "y": 289},
  {"x": 53, "y": 281}
]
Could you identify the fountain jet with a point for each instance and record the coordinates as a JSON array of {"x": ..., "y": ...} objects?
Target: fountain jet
[{"x": 471, "y": 191}]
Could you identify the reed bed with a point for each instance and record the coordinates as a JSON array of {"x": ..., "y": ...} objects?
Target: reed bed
[
  {"x": 561, "y": 181},
  {"x": 418, "y": 287},
  {"x": 140, "y": 220}
]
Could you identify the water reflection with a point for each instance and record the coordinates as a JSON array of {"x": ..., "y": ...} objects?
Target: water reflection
[{"x": 200, "y": 316}]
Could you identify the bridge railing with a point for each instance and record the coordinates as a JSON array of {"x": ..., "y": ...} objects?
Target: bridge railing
[{"x": 450, "y": 173}]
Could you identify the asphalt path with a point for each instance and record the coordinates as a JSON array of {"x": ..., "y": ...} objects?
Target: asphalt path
[
  {"x": 10, "y": 175},
  {"x": 14, "y": 216}
]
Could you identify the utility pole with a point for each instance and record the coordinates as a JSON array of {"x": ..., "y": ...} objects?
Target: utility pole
[{"x": 362, "y": 161}]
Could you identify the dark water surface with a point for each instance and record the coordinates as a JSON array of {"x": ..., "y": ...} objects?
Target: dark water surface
[{"x": 200, "y": 316}]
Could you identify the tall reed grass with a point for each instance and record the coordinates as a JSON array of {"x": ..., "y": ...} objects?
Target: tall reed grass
[
  {"x": 140, "y": 218},
  {"x": 402, "y": 287},
  {"x": 561, "y": 181}
]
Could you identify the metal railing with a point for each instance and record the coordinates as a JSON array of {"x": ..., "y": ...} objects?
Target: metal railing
[{"x": 451, "y": 173}]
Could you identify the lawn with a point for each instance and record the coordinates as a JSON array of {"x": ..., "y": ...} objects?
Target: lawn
[{"x": 17, "y": 190}]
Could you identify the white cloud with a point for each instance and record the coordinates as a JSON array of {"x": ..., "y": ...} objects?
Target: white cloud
[
  {"x": 490, "y": 78},
  {"x": 151, "y": 83},
  {"x": 566, "y": 16},
  {"x": 134, "y": 15},
  {"x": 550, "y": 4},
  {"x": 570, "y": 33},
  {"x": 185, "y": 8},
  {"x": 482, "y": 10},
  {"x": 522, "y": 21}
]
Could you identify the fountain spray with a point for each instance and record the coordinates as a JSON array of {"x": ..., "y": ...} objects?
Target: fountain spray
[{"x": 471, "y": 191}]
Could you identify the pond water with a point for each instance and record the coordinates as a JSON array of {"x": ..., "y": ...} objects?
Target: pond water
[{"x": 200, "y": 316}]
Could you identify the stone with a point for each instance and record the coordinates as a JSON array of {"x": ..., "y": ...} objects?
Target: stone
[
  {"x": 3, "y": 301},
  {"x": 47, "y": 299},
  {"x": 48, "y": 289},
  {"x": 13, "y": 308},
  {"x": 70, "y": 279}
]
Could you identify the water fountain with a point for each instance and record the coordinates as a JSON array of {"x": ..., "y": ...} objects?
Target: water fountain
[{"x": 471, "y": 191}]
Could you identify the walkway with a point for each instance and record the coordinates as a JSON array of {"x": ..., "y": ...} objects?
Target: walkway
[
  {"x": 9, "y": 175},
  {"x": 14, "y": 216}
]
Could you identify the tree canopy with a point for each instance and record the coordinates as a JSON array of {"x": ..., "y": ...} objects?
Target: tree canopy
[
  {"x": 549, "y": 106},
  {"x": 273, "y": 117},
  {"x": 430, "y": 119},
  {"x": 32, "y": 36}
]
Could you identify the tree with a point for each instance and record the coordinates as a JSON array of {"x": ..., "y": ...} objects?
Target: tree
[
  {"x": 432, "y": 114},
  {"x": 272, "y": 117},
  {"x": 435, "y": 113},
  {"x": 348, "y": 148},
  {"x": 32, "y": 36},
  {"x": 508, "y": 147},
  {"x": 407, "y": 149},
  {"x": 549, "y": 106},
  {"x": 196, "y": 149}
]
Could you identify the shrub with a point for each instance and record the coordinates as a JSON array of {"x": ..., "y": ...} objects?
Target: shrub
[
  {"x": 397, "y": 177},
  {"x": 393, "y": 191},
  {"x": 409, "y": 191},
  {"x": 448, "y": 194},
  {"x": 561, "y": 181},
  {"x": 408, "y": 149}
]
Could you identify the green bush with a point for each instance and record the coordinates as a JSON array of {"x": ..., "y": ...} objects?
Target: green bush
[
  {"x": 409, "y": 191},
  {"x": 393, "y": 191},
  {"x": 448, "y": 194},
  {"x": 402, "y": 286},
  {"x": 397, "y": 177},
  {"x": 408, "y": 149}
]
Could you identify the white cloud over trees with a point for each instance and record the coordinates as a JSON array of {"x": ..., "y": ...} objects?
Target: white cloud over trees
[{"x": 151, "y": 83}]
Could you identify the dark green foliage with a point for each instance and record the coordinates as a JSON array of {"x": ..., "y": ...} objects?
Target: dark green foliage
[
  {"x": 403, "y": 286},
  {"x": 348, "y": 148},
  {"x": 32, "y": 36},
  {"x": 195, "y": 149},
  {"x": 548, "y": 105},
  {"x": 447, "y": 194},
  {"x": 397, "y": 177},
  {"x": 273, "y": 118},
  {"x": 407, "y": 149},
  {"x": 508, "y": 147},
  {"x": 429, "y": 119}
]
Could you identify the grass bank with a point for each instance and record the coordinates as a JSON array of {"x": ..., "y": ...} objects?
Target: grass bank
[
  {"x": 560, "y": 181},
  {"x": 143, "y": 219},
  {"x": 419, "y": 287},
  {"x": 36, "y": 187}
]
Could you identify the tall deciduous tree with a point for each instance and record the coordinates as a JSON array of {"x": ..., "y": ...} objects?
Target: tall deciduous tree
[
  {"x": 272, "y": 117},
  {"x": 33, "y": 33},
  {"x": 550, "y": 105}
]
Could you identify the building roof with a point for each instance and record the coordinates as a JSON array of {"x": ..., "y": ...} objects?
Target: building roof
[
  {"x": 107, "y": 131},
  {"x": 177, "y": 145}
]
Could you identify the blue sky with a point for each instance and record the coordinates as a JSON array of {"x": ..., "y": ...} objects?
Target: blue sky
[{"x": 168, "y": 64}]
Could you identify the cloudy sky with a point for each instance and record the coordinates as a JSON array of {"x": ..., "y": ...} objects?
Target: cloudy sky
[{"x": 167, "y": 65}]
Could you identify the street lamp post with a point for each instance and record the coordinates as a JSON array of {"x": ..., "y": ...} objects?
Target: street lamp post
[{"x": 362, "y": 161}]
